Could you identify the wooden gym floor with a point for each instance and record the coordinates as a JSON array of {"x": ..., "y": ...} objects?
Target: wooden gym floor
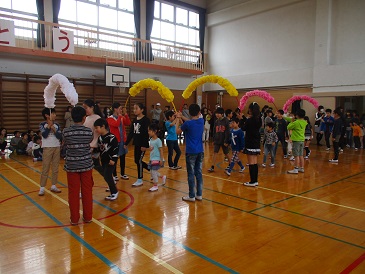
[{"x": 306, "y": 223}]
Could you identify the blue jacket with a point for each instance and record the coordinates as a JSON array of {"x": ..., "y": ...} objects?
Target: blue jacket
[
  {"x": 237, "y": 139},
  {"x": 328, "y": 123}
]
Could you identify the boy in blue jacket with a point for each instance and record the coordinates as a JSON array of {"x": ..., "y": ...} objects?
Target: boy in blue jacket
[
  {"x": 326, "y": 127},
  {"x": 237, "y": 144}
]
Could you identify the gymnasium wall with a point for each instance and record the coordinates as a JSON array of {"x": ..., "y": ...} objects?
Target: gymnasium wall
[{"x": 269, "y": 43}]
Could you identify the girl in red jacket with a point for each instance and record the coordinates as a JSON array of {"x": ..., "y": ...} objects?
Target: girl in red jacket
[{"x": 117, "y": 122}]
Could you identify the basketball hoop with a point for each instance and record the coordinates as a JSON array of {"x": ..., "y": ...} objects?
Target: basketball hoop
[{"x": 121, "y": 86}]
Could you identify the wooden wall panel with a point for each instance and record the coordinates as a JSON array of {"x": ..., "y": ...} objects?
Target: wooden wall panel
[{"x": 17, "y": 114}]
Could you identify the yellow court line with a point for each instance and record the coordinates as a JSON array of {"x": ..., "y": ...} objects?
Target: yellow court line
[
  {"x": 113, "y": 232},
  {"x": 282, "y": 192}
]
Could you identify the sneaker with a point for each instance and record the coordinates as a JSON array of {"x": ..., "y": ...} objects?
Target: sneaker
[
  {"x": 347, "y": 145},
  {"x": 341, "y": 150},
  {"x": 294, "y": 171},
  {"x": 272, "y": 165},
  {"x": 87, "y": 221},
  {"x": 251, "y": 184},
  {"x": 356, "y": 149},
  {"x": 227, "y": 168},
  {"x": 328, "y": 148},
  {"x": 285, "y": 156},
  {"x": 34, "y": 159},
  {"x": 178, "y": 167},
  {"x": 264, "y": 165},
  {"x": 211, "y": 169},
  {"x": 292, "y": 158},
  {"x": 124, "y": 177},
  {"x": 188, "y": 199},
  {"x": 55, "y": 189},
  {"x": 138, "y": 183},
  {"x": 228, "y": 173},
  {"x": 301, "y": 170},
  {"x": 333, "y": 161},
  {"x": 112, "y": 197},
  {"x": 163, "y": 180},
  {"x": 73, "y": 223},
  {"x": 172, "y": 168},
  {"x": 116, "y": 178},
  {"x": 241, "y": 170},
  {"x": 226, "y": 159},
  {"x": 154, "y": 188},
  {"x": 306, "y": 157},
  {"x": 199, "y": 198},
  {"x": 41, "y": 191}
]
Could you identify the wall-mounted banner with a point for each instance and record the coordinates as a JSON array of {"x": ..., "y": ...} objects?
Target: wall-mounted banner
[
  {"x": 7, "y": 35},
  {"x": 63, "y": 41}
]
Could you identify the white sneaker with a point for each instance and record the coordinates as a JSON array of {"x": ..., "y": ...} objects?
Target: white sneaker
[
  {"x": 294, "y": 171},
  {"x": 41, "y": 191},
  {"x": 163, "y": 180},
  {"x": 138, "y": 183},
  {"x": 154, "y": 188},
  {"x": 241, "y": 170},
  {"x": 272, "y": 165},
  {"x": 292, "y": 158},
  {"x": 116, "y": 178},
  {"x": 227, "y": 172},
  {"x": 333, "y": 161},
  {"x": 188, "y": 199},
  {"x": 328, "y": 148},
  {"x": 112, "y": 197},
  {"x": 124, "y": 177},
  {"x": 263, "y": 165},
  {"x": 306, "y": 157},
  {"x": 55, "y": 189},
  {"x": 301, "y": 170},
  {"x": 199, "y": 198},
  {"x": 34, "y": 159},
  {"x": 251, "y": 184}
]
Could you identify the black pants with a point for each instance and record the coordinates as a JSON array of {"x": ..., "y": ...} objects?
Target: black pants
[
  {"x": 319, "y": 137},
  {"x": 357, "y": 141},
  {"x": 327, "y": 136},
  {"x": 3, "y": 145},
  {"x": 122, "y": 166},
  {"x": 281, "y": 139},
  {"x": 336, "y": 148},
  {"x": 106, "y": 171},
  {"x": 171, "y": 146},
  {"x": 138, "y": 159}
]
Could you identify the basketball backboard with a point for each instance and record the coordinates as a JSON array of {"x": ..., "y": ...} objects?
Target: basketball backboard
[{"x": 117, "y": 76}]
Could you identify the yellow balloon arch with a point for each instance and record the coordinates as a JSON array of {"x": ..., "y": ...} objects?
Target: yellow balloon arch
[
  {"x": 165, "y": 92},
  {"x": 224, "y": 83}
]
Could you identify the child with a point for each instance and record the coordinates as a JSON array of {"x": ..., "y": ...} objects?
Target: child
[
  {"x": 252, "y": 142},
  {"x": 108, "y": 146},
  {"x": 298, "y": 135},
  {"x": 356, "y": 134},
  {"x": 156, "y": 156},
  {"x": 336, "y": 134},
  {"x": 362, "y": 135},
  {"x": 51, "y": 136},
  {"x": 139, "y": 134},
  {"x": 193, "y": 130},
  {"x": 207, "y": 115},
  {"x": 326, "y": 127},
  {"x": 270, "y": 143},
  {"x": 30, "y": 146},
  {"x": 22, "y": 144},
  {"x": 171, "y": 140},
  {"x": 37, "y": 150},
  {"x": 15, "y": 140},
  {"x": 3, "y": 142},
  {"x": 221, "y": 135},
  {"x": 308, "y": 135},
  {"x": 282, "y": 132},
  {"x": 117, "y": 122},
  {"x": 237, "y": 144},
  {"x": 79, "y": 165}
]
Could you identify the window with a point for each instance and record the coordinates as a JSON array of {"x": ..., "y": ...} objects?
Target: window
[
  {"x": 24, "y": 9},
  {"x": 175, "y": 25},
  {"x": 113, "y": 18}
]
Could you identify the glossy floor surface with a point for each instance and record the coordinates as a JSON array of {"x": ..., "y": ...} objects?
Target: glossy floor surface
[{"x": 313, "y": 222}]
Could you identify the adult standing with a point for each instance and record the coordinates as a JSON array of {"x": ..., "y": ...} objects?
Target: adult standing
[
  {"x": 68, "y": 118},
  {"x": 93, "y": 113},
  {"x": 156, "y": 113},
  {"x": 317, "y": 124}
]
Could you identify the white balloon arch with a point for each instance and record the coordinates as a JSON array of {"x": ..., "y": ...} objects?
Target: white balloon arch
[{"x": 58, "y": 80}]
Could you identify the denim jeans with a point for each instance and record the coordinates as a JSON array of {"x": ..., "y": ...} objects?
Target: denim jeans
[
  {"x": 194, "y": 163},
  {"x": 269, "y": 148},
  {"x": 171, "y": 146}
]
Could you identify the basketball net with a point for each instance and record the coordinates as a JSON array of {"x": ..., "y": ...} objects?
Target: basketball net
[{"x": 121, "y": 87}]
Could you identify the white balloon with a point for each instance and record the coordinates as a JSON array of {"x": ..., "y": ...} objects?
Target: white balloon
[{"x": 66, "y": 87}]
